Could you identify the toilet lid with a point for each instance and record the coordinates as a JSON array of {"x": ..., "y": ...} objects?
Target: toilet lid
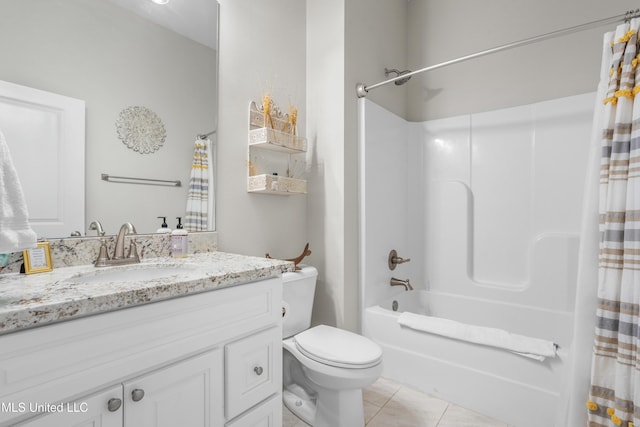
[{"x": 337, "y": 347}]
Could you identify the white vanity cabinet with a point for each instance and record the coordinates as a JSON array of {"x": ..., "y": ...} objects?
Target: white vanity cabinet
[
  {"x": 209, "y": 359},
  {"x": 180, "y": 394},
  {"x": 90, "y": 411}
]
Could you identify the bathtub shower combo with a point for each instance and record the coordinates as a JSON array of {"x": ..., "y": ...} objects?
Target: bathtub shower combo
[{"x": 488, "y": 208}]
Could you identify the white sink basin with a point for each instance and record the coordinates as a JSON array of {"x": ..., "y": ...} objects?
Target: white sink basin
[{"x": 135, "y": 273}]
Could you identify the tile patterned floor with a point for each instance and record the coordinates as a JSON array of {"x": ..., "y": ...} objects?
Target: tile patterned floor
[{"x": 387, "y": 404}]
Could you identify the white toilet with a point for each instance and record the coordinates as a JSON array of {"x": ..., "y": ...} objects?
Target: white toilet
[{"x": 324, "y": 368}]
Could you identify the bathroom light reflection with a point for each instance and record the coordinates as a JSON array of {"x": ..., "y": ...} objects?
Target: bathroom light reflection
[{"x": 443, "y": 145}]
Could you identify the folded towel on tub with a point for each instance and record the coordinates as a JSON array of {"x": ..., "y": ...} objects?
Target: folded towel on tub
[
  {"x": 534, "y": 348},
  {"x": 15, "y": 232}
]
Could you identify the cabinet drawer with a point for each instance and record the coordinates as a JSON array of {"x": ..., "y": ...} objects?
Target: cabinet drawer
[
  {"x": 253, "y": 370},
  {"x": 268, "y": 414}
]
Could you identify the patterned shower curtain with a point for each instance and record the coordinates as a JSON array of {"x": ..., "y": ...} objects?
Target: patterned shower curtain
[
  {"x": 615, "y": 374},
  {"x": 197, "y": 213}
]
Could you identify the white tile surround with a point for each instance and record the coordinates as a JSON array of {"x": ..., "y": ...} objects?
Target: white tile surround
[
  {"x": 488, "y": 207},
  {"x": 389, "y": 404}
]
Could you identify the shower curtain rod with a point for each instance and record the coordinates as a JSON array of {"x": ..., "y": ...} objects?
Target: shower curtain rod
[{"x": 362, "y": 89}]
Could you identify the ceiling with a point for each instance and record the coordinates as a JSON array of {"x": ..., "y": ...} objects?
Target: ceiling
[{"x": 195, "y": 19}]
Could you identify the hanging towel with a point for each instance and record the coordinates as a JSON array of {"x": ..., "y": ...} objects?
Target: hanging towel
[
  {"x": 196, "y": 216},
  {"x": 15, "y": 232},
  {"x": 534, "y": 348}
]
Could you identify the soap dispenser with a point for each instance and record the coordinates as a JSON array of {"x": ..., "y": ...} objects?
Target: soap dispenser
[
  {"x": 164, "y": 229},
  {"x": 179, "y": 241}
]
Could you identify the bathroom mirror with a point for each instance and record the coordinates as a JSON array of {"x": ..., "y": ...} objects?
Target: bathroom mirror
[{"x": 113, "y": 55}]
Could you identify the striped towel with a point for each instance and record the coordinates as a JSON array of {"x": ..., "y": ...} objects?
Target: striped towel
[{"x": 196, "y": 216}]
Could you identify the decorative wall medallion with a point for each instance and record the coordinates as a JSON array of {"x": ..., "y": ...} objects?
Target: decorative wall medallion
[{"x": 140, "y": 129}]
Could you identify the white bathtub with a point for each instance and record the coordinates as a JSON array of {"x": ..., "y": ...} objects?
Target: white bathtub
[{"x": 502, "y": 385}]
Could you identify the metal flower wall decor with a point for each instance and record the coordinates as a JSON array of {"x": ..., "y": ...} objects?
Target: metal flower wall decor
[{"x": 140, "y": 129}]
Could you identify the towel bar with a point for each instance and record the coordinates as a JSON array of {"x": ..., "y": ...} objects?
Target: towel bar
[{"x": 142, "y": 181}]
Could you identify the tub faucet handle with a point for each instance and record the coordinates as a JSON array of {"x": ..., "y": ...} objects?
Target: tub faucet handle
[{"x": 394, "y": 259}]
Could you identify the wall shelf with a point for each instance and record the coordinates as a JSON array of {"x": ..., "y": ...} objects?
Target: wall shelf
[
  {"x": 275, "y": 154},
  {"x": 275, "y": 184},
  {"x": 278, "y": 141}
]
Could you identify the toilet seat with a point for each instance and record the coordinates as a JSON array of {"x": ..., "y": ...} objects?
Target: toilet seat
[{"x": 337, "y": 347}]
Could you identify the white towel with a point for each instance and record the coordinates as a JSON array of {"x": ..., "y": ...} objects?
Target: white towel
[
  {"x": 534, "y": 348},
  {"x": 15, "y": 232}
]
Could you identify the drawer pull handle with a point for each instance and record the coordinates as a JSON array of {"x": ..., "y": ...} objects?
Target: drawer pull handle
[
  {"x": 258, "y": 370},
  {"x": 137, "y": 394},
  {"x": 114, "y": 404}
]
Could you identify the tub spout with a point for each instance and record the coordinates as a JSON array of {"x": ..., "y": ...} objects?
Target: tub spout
[{"x": 399, "y": 282}]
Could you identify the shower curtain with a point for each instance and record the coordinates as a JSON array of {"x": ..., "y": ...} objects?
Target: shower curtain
[
  {"x": 197, "y": 213},
  {"x": 613, "y": 400}
]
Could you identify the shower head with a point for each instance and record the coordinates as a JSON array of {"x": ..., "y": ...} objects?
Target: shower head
[{"x": 398, "y": 73}]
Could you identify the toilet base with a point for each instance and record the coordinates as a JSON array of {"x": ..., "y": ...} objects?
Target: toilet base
[
  {"x": 301, "y": 404},
  {"x": 340, "y": 409},
  {"x": 331, "y": 408}
]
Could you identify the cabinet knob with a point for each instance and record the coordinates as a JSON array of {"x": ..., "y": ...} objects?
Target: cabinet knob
[
  {"x": 114, "y": 404},
  {"x": 258, "y": 370},
  {"x": 137, "y": 394}
]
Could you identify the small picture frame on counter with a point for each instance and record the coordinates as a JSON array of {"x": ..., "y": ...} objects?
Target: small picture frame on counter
[{"x": 38, "y": 259}]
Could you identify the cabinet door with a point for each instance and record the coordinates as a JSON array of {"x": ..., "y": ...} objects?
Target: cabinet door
[
  {"x": 184, "y": 394},
  {"x": 267, "y": 414},
  {"x": 103, "y": 409},
  {"x": 254, "y": 370}
]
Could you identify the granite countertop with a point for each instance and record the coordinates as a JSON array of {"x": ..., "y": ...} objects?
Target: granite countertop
[{"x": 72, "y": 292}]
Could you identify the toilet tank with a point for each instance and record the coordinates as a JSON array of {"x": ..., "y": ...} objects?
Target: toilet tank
[{"x": 298, "y": 290}]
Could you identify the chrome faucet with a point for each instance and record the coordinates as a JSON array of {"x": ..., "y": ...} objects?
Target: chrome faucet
[
  {"x": 118, "y": 251},
  {"x": 95, "y": 225},
  {"x": 399, "y": 282}
]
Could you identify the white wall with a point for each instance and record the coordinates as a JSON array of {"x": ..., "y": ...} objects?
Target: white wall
[
  {"x": 345, "y": 44},
  {"x": 440, "y": 31},
  {"x": 326, "y": 124},
  {"x": 376, "y": 38},
  {"x": 112, "y": 59},
  {"x": 262, "y": 48}
]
